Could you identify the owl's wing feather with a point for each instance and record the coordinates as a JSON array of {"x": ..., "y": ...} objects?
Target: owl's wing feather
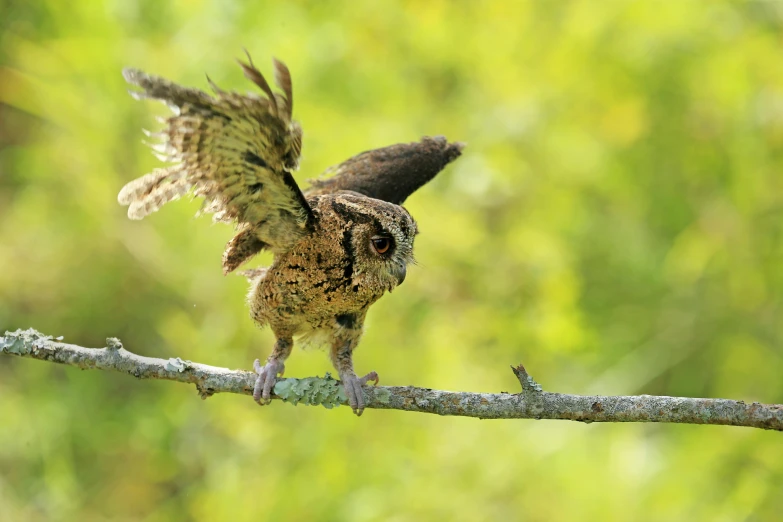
[
  {"x": 237, "y": 151},
  {"x": 392, "y": 173}
]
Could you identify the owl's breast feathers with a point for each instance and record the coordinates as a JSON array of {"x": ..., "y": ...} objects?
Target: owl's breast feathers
[{"x": 330, "y": 272}]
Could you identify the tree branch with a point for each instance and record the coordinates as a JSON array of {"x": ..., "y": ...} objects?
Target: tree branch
[{"x": 531, "y": 403}]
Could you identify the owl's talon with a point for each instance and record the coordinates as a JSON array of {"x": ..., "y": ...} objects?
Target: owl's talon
[
  {"x": 353, "y": 390},
  {"x": 372, "y": 376},
  {"x": 267, "y": 376}
]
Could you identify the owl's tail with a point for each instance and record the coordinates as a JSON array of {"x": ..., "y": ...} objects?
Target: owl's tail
[{"x": 244, "y": 245}]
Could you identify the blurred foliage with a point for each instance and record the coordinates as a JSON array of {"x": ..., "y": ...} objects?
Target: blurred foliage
[{"x": 616, "y": 223}]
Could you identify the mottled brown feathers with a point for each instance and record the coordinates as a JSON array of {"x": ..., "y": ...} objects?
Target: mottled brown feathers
[
  {"x": 236, "y": 151},
  {"x": 252, "y": 74},
  {"x": 283, "y": 79},
  {"x": 242, "y": 247}
]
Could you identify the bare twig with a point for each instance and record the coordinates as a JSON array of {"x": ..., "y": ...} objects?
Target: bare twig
[{"x": 531, "y": 403}]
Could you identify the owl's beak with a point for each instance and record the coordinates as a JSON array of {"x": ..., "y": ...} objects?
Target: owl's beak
[{"x": 399, "y": 271}]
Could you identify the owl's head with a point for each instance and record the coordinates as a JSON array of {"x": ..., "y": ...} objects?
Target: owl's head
[{"x": 379, "y": 239}]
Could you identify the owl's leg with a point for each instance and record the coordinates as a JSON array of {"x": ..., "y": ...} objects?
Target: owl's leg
[
  {"x": 342, "y": 352},
  {"x": 267, "y": 374}
]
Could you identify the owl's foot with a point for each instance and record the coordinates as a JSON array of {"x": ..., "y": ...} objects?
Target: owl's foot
[
  {"x": 267, "y": 375},
  {"x": 353, "y": 389}
]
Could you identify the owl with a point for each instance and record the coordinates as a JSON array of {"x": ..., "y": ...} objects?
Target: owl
[{"x": 338, "y": 246}]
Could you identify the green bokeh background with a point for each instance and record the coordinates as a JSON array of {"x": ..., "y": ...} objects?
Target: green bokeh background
[{"x": 615, "y": 223}]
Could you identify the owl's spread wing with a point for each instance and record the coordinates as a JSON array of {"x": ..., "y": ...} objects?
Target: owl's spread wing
[
  {"x": 392, "y": 173},
  {"x": 237, "y": 151}
]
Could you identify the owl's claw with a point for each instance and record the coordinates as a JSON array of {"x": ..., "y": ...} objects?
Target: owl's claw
[
  {"x": 267, "y": 375},
  {"x": 353, "y": 390},
  {"x": 372, "y": 376}
]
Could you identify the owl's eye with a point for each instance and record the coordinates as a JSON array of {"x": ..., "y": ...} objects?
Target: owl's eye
[{"x": 381, "y": 244}]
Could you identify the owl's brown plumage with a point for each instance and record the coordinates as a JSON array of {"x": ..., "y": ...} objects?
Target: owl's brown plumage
[{"x": 338, "y": 246}]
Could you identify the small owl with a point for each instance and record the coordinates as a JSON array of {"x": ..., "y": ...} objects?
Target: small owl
[{"x": 338, "y": 246}]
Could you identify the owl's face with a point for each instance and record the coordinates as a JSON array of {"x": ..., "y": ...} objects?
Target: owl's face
[{"x": 378, "y": 239}]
